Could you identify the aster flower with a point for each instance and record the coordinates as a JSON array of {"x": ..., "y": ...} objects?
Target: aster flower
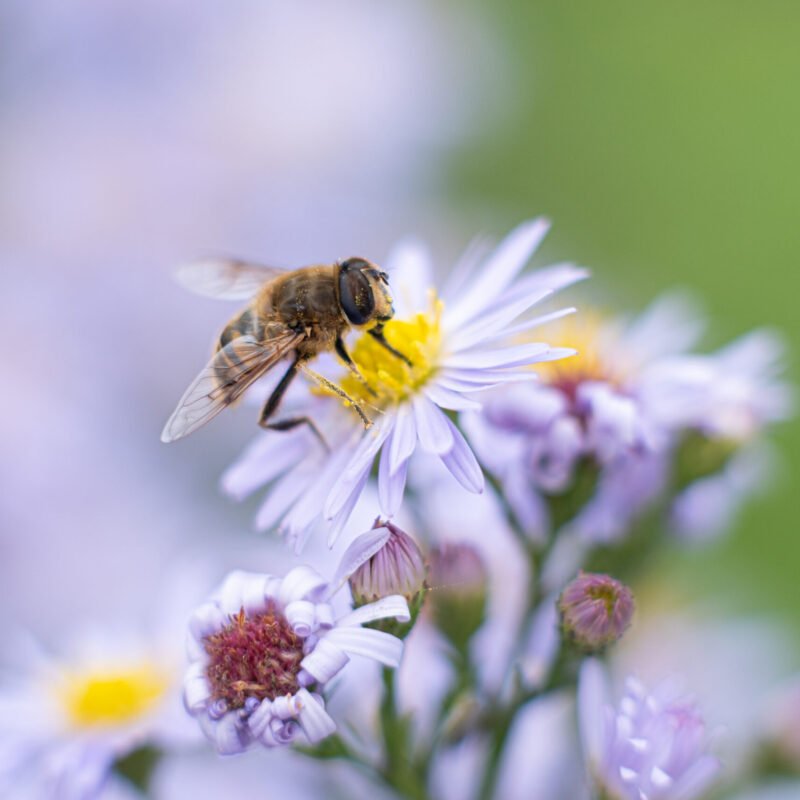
[
  {"x": 459, "y": 345},
  {"x": 595, "y": 424},
  {"x": 651, "y": 747},
  {"x": 66, "y": 720},
  {"x": 263, "y": 648}
]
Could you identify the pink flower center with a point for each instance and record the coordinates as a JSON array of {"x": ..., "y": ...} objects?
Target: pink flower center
[{"x": 257, "y": 656}]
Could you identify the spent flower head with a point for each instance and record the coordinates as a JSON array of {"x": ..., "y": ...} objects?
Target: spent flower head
[
  {"x": 263, "y": 648},
  {"x": 595, "y": 610}
]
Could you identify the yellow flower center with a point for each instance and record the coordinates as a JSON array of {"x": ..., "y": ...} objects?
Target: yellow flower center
[
  {"x": 112, "y": 698},
  {"x": 392, "y": 380},
  {"x": 582, "y": 333}
]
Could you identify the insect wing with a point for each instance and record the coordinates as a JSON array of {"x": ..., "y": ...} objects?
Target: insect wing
[
  {"x": 225, "y": 278},
  {"x": 229, "y": 373}
]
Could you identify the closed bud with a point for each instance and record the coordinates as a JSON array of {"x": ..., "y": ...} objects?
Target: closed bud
[
  {"x": 595, "y": 611},
  {"x": 458, "y": 595},
  {"x": 397, "y": 568}
]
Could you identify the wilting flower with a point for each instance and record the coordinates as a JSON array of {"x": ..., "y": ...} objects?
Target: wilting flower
[
  {"x": 458, "y": 345},
  {"x": 263, "y": 648},
  {"x": 595, "y": 611},
  {"x": 397, "y": 568},
  {"x": 66, "y": 721},
  {"x": 653, "y": 746}
]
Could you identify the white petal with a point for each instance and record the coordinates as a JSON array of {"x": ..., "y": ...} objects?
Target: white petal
[
  {"x": 504, "y": 357},
  {"x": 394, "y": 605},
  {"x": 500, "y": 269},
  {"x": 432, "y": 426},
  {"x": 301, "y": 583},
  {"x": 282, "y": 495},
  {"x": 391, "y": 486},
  {"x": 300, "y": 614},
  {"x": 196, "y": 690},
  {"x": 206, "y": 619},
  {"x": 260, "y": 719},
  {"x": 592, "y": 701},
  {"x": 226, "y": 734},
  {"x": 357, "y": 467},
  {"x": 359, "y": 551},
  {"x": 697, "y": 780},
  {"x": 403, "y": 439},
  {"x": 367, "y": 642},
  {"x": 242, "y": 589},
  {"x": 266, "y": 459},
  {"x": 315, "y": 721},
  {"x": 462, "y": 464},
  {"x": 325, "y": 660},
  {"x": 446, "y": 398},
  {"x": 339, "y": 519}
]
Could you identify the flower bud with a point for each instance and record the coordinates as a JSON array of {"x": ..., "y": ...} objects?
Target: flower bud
[
  {"x": 397, "y": 568},
  {"x": 458, "y": 592},
  {"x": 595, "y": 611}
]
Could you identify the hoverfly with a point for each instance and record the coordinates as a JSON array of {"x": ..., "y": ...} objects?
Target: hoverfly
[{"x": 292, "y": 314}]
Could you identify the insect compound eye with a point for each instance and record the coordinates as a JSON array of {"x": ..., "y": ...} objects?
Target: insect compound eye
[{"x": 355, "y": 291}]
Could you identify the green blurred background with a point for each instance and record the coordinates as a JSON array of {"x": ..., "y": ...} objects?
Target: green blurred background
[{"x": 664, "y": 141}]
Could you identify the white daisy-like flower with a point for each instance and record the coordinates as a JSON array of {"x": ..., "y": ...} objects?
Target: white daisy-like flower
[
  {"x": 263, "y": 648},
  {"x": 459, "y": 344},
  {"x": 66, "y": 721},
  {"x": 653, "y": 746}
]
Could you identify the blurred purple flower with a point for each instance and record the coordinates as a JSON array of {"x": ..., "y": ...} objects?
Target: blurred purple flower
[{"x": 651, "y": 747}]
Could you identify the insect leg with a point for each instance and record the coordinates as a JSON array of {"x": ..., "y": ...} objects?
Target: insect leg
[
  {"x": 377, "y": 334},
  {"x": 271, "y": 406},
  {"x": 341, "y": 351},
  {"x": 323, "y": 381}
]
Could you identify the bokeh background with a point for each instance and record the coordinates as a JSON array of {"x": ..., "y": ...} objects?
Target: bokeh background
[{"x": 662, "y": 139}]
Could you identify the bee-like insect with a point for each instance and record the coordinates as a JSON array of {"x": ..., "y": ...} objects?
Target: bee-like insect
[{"x": 293, "y": 314}]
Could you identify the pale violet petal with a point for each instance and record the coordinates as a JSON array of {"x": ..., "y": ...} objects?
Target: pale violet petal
[
  {"x": 390, "y": 486},
  {"x": 242, "y": 590},
  {"x": 196, "y": 690},
  {"x": 462, "y": 464},
  {"x": 339, "y": 519},
  {"x": 358, "y": 552},
  {"x": 266, "y": 459},
  {"x": 300, "y": 614},
  {"x": 410, "y": 271},
  {"x": 325, "y": 660},
  {"x": 382, "y": 647},
  {"x": 359, "y": 464},
  {"x": 260, "y": 719},
  {"x": 446, "y": 398},
  {"x": 315, "y": 721},
  {"x": 592, "y": 702},
  {"x": 280, "y": 498},
  {"x": 226, "y": 734},
  {"x": 502, "y": 266},
  {"x": 394, "y": 605},
  {"x": 301, "y": 583},
  {"x": 504, "y": 357},
  {"x": 697, "y": 780},
  {"x": 433, "y": 429},
  {"x": 403, "y": 439},
  {"x": 206, "y": 619}
]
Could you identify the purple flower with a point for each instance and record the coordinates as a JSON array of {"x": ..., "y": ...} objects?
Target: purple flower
[
  {"x": 651, "y": 747},
  {"x": 595, "y": 611},
  {"x": 263, "y": 648}
]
